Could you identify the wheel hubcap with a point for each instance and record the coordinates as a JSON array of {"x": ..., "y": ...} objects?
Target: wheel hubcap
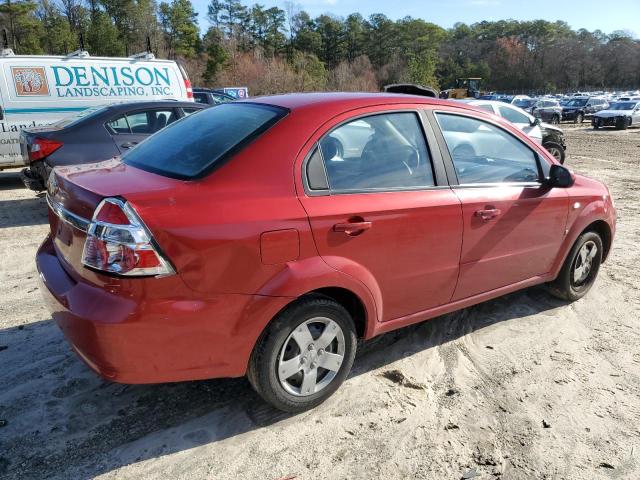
[
  {"x": 556, "y": 153},
  {"x": 311, "y": 356},
  {"x": 584, "y": 262}
]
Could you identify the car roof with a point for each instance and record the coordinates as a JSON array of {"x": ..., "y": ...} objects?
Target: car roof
[
  {"x": 116, "y": 107},
  {"x": 338, "y": 102}
]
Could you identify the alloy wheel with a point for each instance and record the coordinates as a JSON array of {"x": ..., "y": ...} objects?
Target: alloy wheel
[
  {"x": 311, "y": 356},
  {"x": 557, "y": 154},
  {"x": 583, "y": 263}
]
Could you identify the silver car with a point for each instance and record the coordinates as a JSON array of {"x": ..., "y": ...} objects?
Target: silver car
[
  {"x": 549, "y": 136},
  {"x": 621, "y": 115}
]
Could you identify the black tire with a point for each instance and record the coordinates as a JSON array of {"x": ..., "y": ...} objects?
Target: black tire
[
  {"x": 555, "y": 120},
  {"x": 596, "y": 124},
  {"x": 579, "y": 118},
  {"x": 622, "y": 124},
  {"x": 565, "y": 285},
  {"x": 556, "y": 150},
  {"x": 263, "y": 365}
]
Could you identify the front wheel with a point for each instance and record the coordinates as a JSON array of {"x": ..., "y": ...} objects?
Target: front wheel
[
  {"x": 556, "y": 150},
  {"x": 555, "y": 120},
  {"x": 580, "y": 269},
  {"x": 304, "y": 355},
  {"x": 579, "y": 118}
]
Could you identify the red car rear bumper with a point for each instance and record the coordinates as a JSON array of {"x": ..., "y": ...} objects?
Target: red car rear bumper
[{"x": 151, "y": 340}]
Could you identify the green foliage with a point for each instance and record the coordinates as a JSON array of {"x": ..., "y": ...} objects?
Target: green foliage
[
  {"x": 217, "y": 55},
  {"x": 179, "y": 24},
  {"x": 23, "y": 27},
  {"x": 293, "y": 50}
]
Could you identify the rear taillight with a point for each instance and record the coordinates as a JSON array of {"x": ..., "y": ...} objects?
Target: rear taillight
[
  {"x": 118, "y": 242},
  {"x": 43, "y": 147},
  {"x": 187, "y": 85}
]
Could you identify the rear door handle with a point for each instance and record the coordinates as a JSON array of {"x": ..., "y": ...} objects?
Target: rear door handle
[
  {"x": 488, "y": 213},
  {"x": 129, "y": 144},
  {"x": 352, "y": 228}
]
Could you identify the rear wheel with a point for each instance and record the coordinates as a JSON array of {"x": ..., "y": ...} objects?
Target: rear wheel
[
  {"x": 555, "y": 120},
  {"x": 580, "y": 269},
  {"x": 556, "y": 150},
  {"x": 579, "y": 118},
  {"x": 304, "y": 355}
]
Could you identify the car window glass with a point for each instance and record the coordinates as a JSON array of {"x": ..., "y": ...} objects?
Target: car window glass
[
  {"x": 189, "y": 111},
  {"x": 386, "y": 151},
  {"x": 200, "y": 97},
  {"x": 316, "y": 176},
  {"x": 485, "y": 107},
  {"x": 191, "y": 147},
  {"x": 221, "y": 98},
  {"x": 119, "y": 125},
  {"x": 484, "y": 153},
  {"x": 150, "y": 121},
  {"x": 512, "y": 115}
]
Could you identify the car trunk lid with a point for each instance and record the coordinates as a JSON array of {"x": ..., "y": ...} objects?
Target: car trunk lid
[{"x": 74, "y": 193}]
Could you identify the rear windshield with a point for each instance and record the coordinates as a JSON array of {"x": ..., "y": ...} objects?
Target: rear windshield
[
  {"x": 192, "y": 146},
  {"x": 73, "y": 120}
]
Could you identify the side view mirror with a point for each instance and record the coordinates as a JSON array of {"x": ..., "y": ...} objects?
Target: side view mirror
[
  {"x": 534, "y": 122},
  {"x": 560, "y": 177}
]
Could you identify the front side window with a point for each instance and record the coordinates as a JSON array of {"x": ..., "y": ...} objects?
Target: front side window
[
  {"x": 484, "y": 153},
  {"x": 380, "y": 152}
]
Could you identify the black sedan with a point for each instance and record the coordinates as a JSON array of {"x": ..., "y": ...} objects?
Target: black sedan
[{"x": 94, "y": 135}]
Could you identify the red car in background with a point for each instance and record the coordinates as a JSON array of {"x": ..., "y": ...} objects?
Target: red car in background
[{"x": 264, "y": 237}]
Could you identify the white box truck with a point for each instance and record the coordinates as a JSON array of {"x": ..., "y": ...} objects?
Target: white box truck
[{"x": 39, "y": 90}]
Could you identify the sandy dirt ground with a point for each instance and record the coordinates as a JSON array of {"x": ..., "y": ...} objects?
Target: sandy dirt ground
[{"x": 523, "y": 387}]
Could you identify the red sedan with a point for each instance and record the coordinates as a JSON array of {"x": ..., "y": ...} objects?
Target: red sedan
[{"x": 264, "y": 237}]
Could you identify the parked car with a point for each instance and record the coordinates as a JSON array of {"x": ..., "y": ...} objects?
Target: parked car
[
  {"x": 248, "y": 240},
  {"x": 518, "y": 98},
  {"x": 549, "y": 136},
  {"x": 94, "y": 135},
  {"x": 547, "y": 110},
  {"x": 38, "y": 90},
  {"x": 621, "y": 115},
  {"x": 579, "y": 108},
  {"x": 209, "y": 96}
]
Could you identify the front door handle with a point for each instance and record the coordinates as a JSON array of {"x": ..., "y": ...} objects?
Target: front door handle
[
  {"x": 129, "y": 144},
  {"x": 488, "y": 213},
  {"x": 352, "y": 228}
]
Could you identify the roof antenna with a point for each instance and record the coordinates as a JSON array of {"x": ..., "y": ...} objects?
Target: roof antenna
[
  {"x": 148, "y": 55},
  {"x": 6, "y": 51},
  {"x": 81, "y": 52}
]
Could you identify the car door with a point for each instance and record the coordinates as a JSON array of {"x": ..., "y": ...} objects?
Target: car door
[
  {"x": 380, "y": 208},
  {"x": 513, "y": 224},
  {"x": 130, "y": 128},
  {"x": 636, "y": 115}
]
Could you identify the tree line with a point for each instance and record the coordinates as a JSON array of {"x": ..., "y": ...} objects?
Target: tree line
[{"x": 274, "y": 50}]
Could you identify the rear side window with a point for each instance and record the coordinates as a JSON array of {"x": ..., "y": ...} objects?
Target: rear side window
[
  {"x": 191, "y": 147},
  {"x": 144, "y": 122},
  {"x": 379, "y": 152}
]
